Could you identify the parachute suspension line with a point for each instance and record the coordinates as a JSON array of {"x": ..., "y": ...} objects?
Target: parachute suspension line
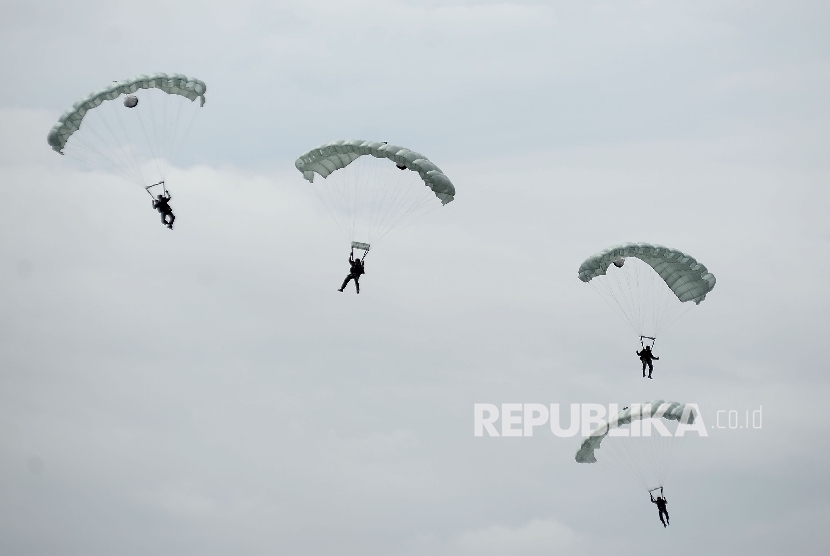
[
  {"x": 635, "y": 312},
  {"x": 391, "y": 196},
  {"x": 418, "y": 196},
  {"x": 400, "y": 208},
  {"x": 165, "y": 161},
  {"x": 154, "y": 128},
  {"x": 628, "y": 299},
  {"x": 77, "y": 139},
  {"x": 415, "y": 219},
  {"x": 371, "y": 197},
  {"x": 659, "y": 308},
  {"x": 403, "y": 193},
  {"x": 671, "y": 456},
  {"x": 669, "y": 316},
  {"x": 630, "y": 455},
  {"x": 655, "y": 460},
  {"x": 651, "y": 456},
  {"x": 642, "y": 297},
  {"x": 605, "y": 291},
  {"x": 374, "y": 207},
  {"x": 337, "y": 192},
  {"x": 126, "y": 152},
  {"x": 393, "y": 190},
  {"x": 636, "y": 296},
  {"x": 155, "y": 133},
  {"x": 614, "y": 463},
  {"x": 119, "y": 174},
  {"x": 337, "y": 199},
  {"x": 343, "y": 189},
  {"x": 617, "y": 471},
  {"x": 665, "y": 449},
  {"x": 351, "y": 189},
  {"x": 389, "y": 191},
  {"x": 359, "y": 192},
  {"x": 122, "y": 161},
  {"x": 177, "y": 145},
  {"x": 160, "y": 127},
  {"x": 426, "y": 200},
  {"x": 643, "y": 293},
  {"x": 347, "y": 192},
  {"x": 128, "y": 140},
  {"x": 661, "y": 302},
  {"x": 660, "y": 452},
  {"x": 333, "y": 189},
  {"x": 115, "y": 169},
  {"x": 359, "y": 182},
  {"x": 404, "y": 189},
  {"x": 680, "y": 315},
  {"x": 621, "y": 455},
  {"x": 329, "y": 210},
  {"x": 348, "y": 187}
]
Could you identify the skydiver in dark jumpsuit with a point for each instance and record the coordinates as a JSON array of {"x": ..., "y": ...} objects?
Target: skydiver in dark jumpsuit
[
  {"x": 661, "y": 507},
  {"x": 356, "y": 270},
  {"x": 162, "y": 204},
  {"x": 647, "y": 357}
]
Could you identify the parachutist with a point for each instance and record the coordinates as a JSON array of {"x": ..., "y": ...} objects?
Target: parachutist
[
  {"x": 355, "y": 271},
  {"x": 661, "y": 506},
  {"x": 162, "y": 204},
  {"x": 646, "y": 356}
]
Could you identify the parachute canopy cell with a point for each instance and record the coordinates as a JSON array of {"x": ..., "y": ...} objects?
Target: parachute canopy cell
[
  {"x": 672, "y": 411},
  {"x": 688, "y": 279},
  {"x": 173, "y": 84},
  {"x": 330, "y": 157}
]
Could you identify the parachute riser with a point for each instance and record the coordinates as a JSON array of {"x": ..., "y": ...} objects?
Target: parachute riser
[
  {"x": 361, "y": 247},
  {"x": 161, "y": 183},
  {"x": 652, "y": 338}
]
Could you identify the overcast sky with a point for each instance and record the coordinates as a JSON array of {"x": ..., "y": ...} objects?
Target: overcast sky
[{"x": 207, "y": 391}]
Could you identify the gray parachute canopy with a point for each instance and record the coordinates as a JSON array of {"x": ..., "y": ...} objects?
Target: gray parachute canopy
[
  {"x": 174, "y": 84},
  {"x": 333, "y": 156},
  {"x": 673, "y": 411},
  {"x": 687, "y": 278}
]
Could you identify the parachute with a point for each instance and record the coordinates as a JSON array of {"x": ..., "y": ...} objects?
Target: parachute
[
  {"x": 635, "y": 453},
  {"x": 373, "y": 187},
  {"x": 135, "y": 139},
  {"x": 648, "y": 286}
]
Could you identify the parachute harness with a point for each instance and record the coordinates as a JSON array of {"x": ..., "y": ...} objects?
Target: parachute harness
[{"x": 652, "y": 338}]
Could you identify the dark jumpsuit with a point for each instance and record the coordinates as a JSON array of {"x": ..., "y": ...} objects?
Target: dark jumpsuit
[
  {"x": 661, "y": 507},
  {"x": 354, "y": 274},
  {"x": 647, "y": 357},
  {"x": 162, "y": 205}
]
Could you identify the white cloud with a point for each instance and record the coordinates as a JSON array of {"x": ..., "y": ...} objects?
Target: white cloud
[
  {"x": 536, "y": 537},
  {"x": 208, "y": 391}
]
